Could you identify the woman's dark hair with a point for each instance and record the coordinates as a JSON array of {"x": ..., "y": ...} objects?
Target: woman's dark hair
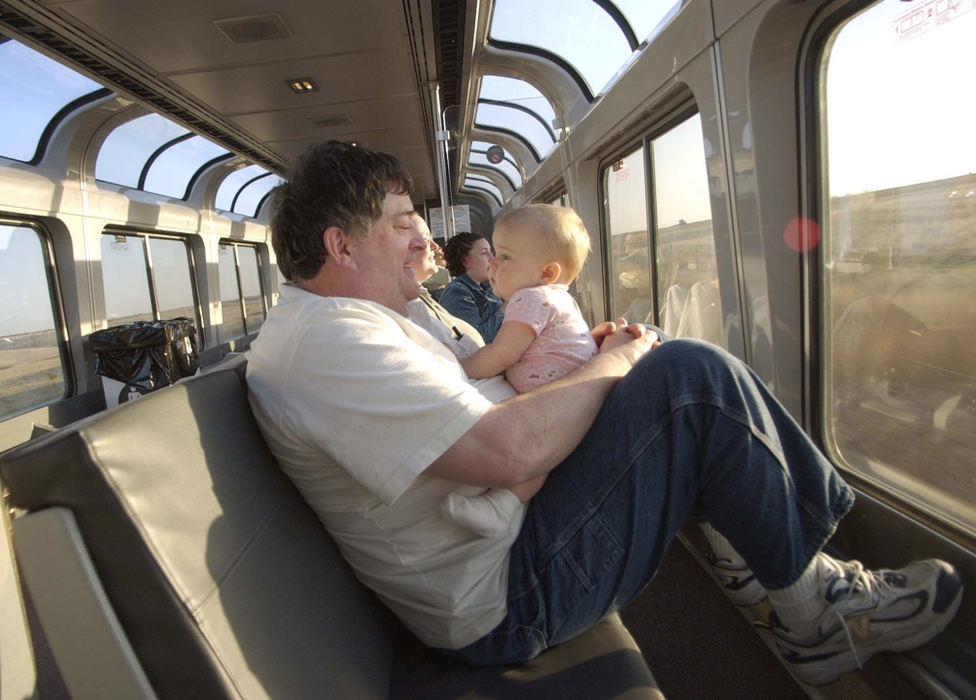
[
  {"x": 457, "y": 250},
  {"x": 331, "y": 184}
]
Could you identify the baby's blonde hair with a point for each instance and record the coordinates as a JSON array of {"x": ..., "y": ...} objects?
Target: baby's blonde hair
[{"x": 562, "y": 230}]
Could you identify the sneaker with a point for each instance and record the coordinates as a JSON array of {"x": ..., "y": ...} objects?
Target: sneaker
[
  {"x": 868, "y": 612},
  {"x": 737, "y": 580}
]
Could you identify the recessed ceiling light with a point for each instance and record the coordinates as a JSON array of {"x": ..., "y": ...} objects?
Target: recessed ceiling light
[{"x": 302, "y": 85}]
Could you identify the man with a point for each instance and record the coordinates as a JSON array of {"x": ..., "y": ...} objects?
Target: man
[
  {"x": 374, "y": 421},
  {"x": 426, "y": 312}
]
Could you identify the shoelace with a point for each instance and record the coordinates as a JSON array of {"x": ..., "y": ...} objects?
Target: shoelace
[{"x": 867, "y": 583}]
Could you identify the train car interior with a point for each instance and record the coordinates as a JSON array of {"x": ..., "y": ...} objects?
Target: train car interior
[{"x": 794, "y": 181}]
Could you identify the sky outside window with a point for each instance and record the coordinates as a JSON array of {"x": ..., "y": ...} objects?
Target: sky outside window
[{"x": 33, "y": 88}]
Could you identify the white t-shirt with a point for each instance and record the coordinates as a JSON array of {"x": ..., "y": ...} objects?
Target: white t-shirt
[{"x": 356, "y": 402}]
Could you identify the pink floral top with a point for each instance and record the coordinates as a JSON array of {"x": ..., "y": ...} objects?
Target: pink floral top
[{"x": 563, "y": 341}]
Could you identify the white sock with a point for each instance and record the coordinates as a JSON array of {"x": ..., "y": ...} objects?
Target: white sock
[
  {"x": 799, "y": 605},
  {"x": 488, "y": 514},
  {"x": 721, "y": 547}
]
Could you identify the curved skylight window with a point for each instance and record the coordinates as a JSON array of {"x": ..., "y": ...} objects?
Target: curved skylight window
[
  {"x": 172, "y": 171},
  {"x": 34, "y": 90},
  {"x": 516, "y": 106},
  {"x": 125, "y": 152},
  {"x": 478, "y": 156},
  {"x": 234, "y": 183},
  {"x": 250, "y": 199},
  {"x": 484, "y": 183},
  {"x": 644, "y": 16},
  {"x": 579, "y": 32}
]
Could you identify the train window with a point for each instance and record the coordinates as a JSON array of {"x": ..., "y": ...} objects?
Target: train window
[
  {"x": 618, "y": 35},
  {"x": 143, "y": 283},
  {"x": 688, "y": 299},
  {"x": 174, "y": 287},
  {"x": 241, "y": 290},
  {"x": 625, "y": 189},
  {"x": 254, "y": 193},
  {"x": 31, "y": 367},
  {"x": 34, "y": 91},
  {"x": 124, "y": 154},
  {"x": 684, "y": 254},
  {"x": 516, "y": 106},
  {"x": 125, "y": 281},
  {"x": 899, "y": 252},
  {"x": 506, "y": 167},
  {"x": 171, "y": 171}
]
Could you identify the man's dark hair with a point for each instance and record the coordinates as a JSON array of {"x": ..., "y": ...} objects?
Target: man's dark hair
[
  {"x": 331, "y": 184},
  {"x": 457, "y": 249}
]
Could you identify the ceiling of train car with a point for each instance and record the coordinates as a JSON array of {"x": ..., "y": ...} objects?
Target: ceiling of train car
[{"x": 231, "y": 66}]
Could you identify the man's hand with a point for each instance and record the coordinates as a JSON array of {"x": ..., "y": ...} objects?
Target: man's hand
[{"x": 632, "y": 341}]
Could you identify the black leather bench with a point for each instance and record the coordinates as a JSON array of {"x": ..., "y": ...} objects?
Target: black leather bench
[{"x": 168, "y": 556}]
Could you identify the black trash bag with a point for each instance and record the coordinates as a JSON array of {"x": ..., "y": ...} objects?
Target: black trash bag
[{"x": 146, "y": 355}]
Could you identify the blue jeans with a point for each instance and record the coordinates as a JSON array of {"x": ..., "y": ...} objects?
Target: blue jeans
[{"x": 690, "y": 430}]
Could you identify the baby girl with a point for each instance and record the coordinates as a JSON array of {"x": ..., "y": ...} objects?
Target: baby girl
[{"x": 539, "y": 251}]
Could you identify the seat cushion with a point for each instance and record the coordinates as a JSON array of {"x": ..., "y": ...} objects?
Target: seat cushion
[{"x": 601, "y": 663}]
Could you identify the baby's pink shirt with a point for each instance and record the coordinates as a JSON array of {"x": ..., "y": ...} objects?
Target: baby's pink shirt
[{"x": 563, "y": 341}]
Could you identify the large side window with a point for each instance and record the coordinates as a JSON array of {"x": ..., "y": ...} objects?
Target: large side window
[
  {"x": 899, "y": 252},
  {"x": 147, "y": 277},
  {"x": 31, "y": 365},
  {"x": 687, "y": 300},
  {"x": 242, "y": 296}
]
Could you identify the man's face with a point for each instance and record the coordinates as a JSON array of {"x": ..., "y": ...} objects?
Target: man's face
[
  {"x": 424, "y": 261},
  {"x": 385, "y": 254}
]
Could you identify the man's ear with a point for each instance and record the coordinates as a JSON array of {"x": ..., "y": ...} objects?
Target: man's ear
[
  {"x": 551, "y": 272},
  {"x": 336, "y": 243}
]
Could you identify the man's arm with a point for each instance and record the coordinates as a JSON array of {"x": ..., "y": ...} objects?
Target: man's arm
[
  {"x": 512, "y": 341},
  {"x": 528, "y": 435}
]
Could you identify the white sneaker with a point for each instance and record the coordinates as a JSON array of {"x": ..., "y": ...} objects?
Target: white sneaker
[
  {"x": 869, "y": 612},
  {"x": 737, "y": 580}
]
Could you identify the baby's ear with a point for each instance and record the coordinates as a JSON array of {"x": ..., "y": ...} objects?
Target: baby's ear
[{"x": 551, "y": 272}]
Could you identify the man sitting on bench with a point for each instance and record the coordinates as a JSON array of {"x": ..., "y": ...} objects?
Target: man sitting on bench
[{"x": 375, "y": 421}]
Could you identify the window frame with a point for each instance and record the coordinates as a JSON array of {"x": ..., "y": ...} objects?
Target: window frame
[{"x": 57, "y": 310}]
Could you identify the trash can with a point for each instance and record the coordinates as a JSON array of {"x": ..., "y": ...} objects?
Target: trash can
[{"x": 136, "y": 358}]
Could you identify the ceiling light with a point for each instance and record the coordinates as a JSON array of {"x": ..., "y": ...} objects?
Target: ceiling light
[{"x": 302, "y": 85}]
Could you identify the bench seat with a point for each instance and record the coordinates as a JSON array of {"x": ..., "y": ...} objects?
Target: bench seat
[{"x": 217, "y": 580}]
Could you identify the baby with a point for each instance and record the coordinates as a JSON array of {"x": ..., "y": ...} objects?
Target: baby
[{"x": 539, "y": 251}]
